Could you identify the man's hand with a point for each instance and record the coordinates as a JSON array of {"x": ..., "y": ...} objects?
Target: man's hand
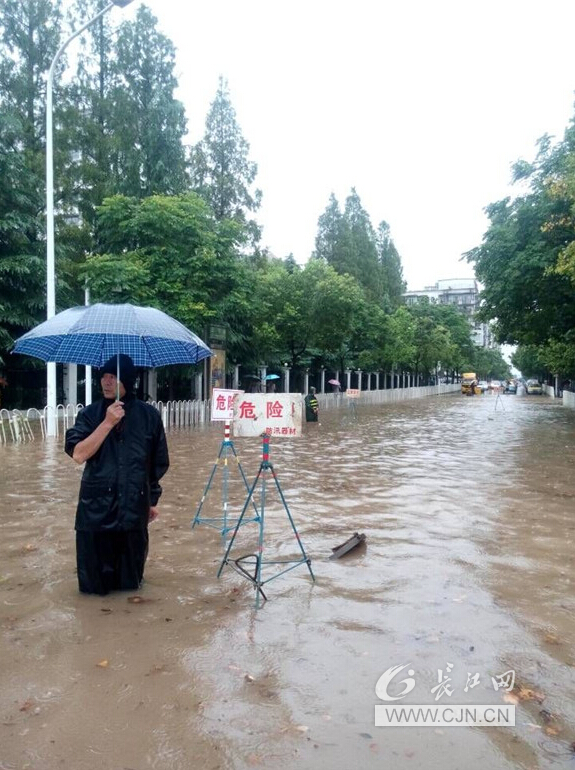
[
  {"x": 114, "y": 413},
  {"x": 153, "y": 514}
]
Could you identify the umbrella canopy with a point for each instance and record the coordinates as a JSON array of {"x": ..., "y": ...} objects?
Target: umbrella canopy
[
  {"x": 334, "y": 382},
  {"x": 272, "y": 377},
  {"x": 251, "y": 377},
  {"x": 92, "y": 334}
]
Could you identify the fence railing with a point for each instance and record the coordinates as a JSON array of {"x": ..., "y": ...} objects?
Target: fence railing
[
  {"x": 17, "y": 426},
  {"x": 182, "y": 414},
  {"x": 389, "y": 396}
]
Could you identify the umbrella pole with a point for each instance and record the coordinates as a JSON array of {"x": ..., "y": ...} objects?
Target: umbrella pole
[{"x": 117, "y": 376}]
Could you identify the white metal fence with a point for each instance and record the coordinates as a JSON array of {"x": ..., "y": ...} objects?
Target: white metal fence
[
  {"x": 19, "y": 427},
  {"x": 389, "y": 396}
]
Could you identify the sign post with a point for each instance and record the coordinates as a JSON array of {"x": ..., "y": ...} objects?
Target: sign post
[
  {"x": 266, "y": 415},
  {"x": 222, "y": 411}
]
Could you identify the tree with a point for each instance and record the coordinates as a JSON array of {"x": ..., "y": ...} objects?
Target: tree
[
  {"x": 148, "y": 122},
  {"x": 523, "y": 259},
  {"x": 392, "y": 285},
  {"x": 488, "y": 363},
  {"x": 361, "y": 256},
  {"x": 30, "y": 34},
  {"x": 527, "y": 360},
  {"x": 29, "y": 37},
  {"x": 331, "y": 239},
  {"x": 88, "y": 124},
  {"x": 399, "y": 350},
  {"x": 221, "y": 170},
  {"x": 167, "y": 251},
  {"x": 22, "y": 269},
  {"x": 336, "y": 306},
  {"x": 349, "y": 244}
]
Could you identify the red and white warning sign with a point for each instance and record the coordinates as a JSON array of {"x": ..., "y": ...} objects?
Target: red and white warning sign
[
  {"x": 352, "y": 392},
  {"x": 223, "y": 404},
  {"x": 279, "y": 414}
]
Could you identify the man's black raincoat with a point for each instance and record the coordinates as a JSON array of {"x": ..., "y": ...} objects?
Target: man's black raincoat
[{"x": 119, "y": 484}]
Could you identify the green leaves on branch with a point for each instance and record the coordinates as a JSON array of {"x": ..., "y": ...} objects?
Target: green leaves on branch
[{"x": 527, "y": 260}]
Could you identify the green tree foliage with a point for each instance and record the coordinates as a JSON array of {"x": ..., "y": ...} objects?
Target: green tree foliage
[
  {"x": 434, "y": 337},
  {"x": 337, "y": 307},
  {"x": 526, "y": 358},
  {"x": 148, "y": 121},
  {"x": 392, "y": 285},
  {"x": 221, "y": 170},
  {"x": 488, "y": 364},
  {"x": 331, "y": 239},
  {"x": 88, "y": 127},
  {"x": 22, "y": 269},
  {"x": 165, "y": 251},
  {"x": 29, "y": 37},
  {"x": 525, "y": 260},
  {"x": 348, "y": 242},
  {"x": 303, "y": 314}
]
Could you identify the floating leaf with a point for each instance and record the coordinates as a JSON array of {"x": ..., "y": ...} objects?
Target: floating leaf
[
  {"x": 551, "y": 730},
  {"x": 525, "y": 693},
  {"x": 27, "y": 705},
  {"x": 103, "y": 664},
  {"x": 509, "y": 698}
]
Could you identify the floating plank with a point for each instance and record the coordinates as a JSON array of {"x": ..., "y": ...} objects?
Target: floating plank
[{"x": 355, "y": 540}]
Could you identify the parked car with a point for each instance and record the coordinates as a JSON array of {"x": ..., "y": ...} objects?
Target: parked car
[
  {"x": 534, "y": 388},
  {"x": 483, "y": 385},
  {"x": 511, "y": 387},
  {"x": 494, "y": 384}
]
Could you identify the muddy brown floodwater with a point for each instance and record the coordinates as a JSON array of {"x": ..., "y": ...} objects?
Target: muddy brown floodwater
[{"x": 470, "y": 521}]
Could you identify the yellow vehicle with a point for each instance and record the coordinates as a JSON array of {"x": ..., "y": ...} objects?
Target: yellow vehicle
[{"x": 468, "y": 381}]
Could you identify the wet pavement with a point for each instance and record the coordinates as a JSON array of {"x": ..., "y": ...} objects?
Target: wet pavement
[{"x": 469, "y": 515}]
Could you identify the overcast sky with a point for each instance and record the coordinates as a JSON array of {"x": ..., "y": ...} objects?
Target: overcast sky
[{"x": 421, "y": 106}]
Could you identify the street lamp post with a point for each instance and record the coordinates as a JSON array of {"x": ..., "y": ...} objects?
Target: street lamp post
[{"x": 50, "y": 262}]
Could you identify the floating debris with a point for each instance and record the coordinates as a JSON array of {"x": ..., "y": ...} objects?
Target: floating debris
[{"x": 355, "y": 540}]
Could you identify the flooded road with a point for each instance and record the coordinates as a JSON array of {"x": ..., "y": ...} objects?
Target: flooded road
[{"x": 468, "y": 570}]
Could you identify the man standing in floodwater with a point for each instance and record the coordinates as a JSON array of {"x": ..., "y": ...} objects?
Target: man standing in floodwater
[
  {"x": 311, "y": 406},
  {"x": 124, "y": 447}
]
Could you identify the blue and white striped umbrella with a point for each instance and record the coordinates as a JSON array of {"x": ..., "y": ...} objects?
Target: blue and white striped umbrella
[{"x": 92, "y": 334}]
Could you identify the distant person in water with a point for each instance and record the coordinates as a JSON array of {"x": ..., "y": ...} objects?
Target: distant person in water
[{"x": 311, "y": 406}]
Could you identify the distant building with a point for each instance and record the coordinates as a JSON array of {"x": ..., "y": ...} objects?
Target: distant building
[{"x": 464, "y": 294}]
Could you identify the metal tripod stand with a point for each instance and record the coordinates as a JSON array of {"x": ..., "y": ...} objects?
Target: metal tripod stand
[
  {"x": 256, "y": 560},
  {"x": 222, "y": 523}
]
